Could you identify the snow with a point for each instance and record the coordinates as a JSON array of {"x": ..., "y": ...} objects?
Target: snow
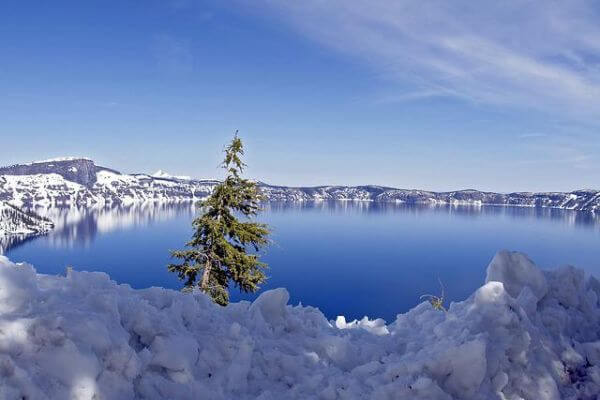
[
  {"x": 162, "y": 174},
  {"x": 111, "y": 188},
  {"x": 105, "y": 177},
  {"x": 517, "y": 272},
  {"x": 41, "y": 189},
  {"x": 82, "y": 336},
  {"x": 48, "y": 190},
  {"x": 14, "y": 221},
  {"x": 59, "y": 159}
]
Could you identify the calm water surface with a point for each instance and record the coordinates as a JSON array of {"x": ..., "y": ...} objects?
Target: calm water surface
[{"x": 351, "y": 259}]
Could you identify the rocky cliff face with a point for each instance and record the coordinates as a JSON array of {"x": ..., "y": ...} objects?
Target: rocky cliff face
[
  {"x": 80, "y": 182},
  {"x": 79, "y": 170}
]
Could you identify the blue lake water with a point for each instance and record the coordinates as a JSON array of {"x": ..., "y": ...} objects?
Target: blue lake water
[{"x": 351, "y": 259}]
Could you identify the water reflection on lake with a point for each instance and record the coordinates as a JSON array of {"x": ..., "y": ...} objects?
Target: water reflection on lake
[{"x": 351, "y": 258}]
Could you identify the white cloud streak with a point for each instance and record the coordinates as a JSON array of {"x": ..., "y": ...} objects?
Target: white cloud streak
[
  {"x": 559, "y": 150},
  {"x": 525, "y": 54}
]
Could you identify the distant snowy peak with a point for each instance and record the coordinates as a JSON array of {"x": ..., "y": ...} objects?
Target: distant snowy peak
[
  {"x": 161, "y": 174},
  {"x": 165, "y": 175}
]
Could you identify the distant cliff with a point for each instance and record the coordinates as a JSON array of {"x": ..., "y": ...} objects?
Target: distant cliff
[
  {"x": 582, "y": 200},
  {"x": 78, "y": 181},
  {"x": 79, "y": 170}
]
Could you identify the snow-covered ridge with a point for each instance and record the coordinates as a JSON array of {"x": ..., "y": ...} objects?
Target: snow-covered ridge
[
  {"x": 17, "y": 225},
  {"x": 81, "y": 182},
  {"x": 525, "y": 334},
  {"x": 14, "y": 221}
]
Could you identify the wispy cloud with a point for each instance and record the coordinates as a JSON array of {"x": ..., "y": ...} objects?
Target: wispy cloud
[
  {"x": 560, "y": 150},
  {"x": 531, "y": 55},
  {"x": 413, "y": 96}
]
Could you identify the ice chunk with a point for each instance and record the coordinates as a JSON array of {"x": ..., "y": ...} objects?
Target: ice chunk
[
  {"x": 516, "y": 271},
  {"x": 18, "y": 288},
  {"x": 271, "y": 305}
]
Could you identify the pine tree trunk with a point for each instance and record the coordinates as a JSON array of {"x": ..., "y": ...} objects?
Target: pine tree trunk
[{"x": 206, "y": 277}]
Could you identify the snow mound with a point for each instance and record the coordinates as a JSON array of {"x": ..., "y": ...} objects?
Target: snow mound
[
  {"x": 526, "y": 334},
  {"x": 517, "y": 271}
]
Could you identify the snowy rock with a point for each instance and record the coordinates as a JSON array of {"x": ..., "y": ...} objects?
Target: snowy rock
[{"x": 82, "y": 336}]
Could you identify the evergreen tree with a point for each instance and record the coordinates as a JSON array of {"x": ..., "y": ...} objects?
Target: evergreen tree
[{"x": 220, "y": 249}]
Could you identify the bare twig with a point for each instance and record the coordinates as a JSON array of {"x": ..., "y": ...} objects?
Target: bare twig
[{"x": 437, "y": 302}]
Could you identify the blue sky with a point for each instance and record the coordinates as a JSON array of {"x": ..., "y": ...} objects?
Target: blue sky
[{"x": 439, "y": 95}]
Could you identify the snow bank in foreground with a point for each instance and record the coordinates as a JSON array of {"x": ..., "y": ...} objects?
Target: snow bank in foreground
[{"x": 525, "y": 334}]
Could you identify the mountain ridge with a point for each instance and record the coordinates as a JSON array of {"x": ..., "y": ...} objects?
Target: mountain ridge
[{"x": 79, "y": 181}]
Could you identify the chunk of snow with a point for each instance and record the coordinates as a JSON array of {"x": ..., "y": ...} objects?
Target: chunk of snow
[
  {"x": 516, "y": 271},
  {"x": 83, "y": 336}
]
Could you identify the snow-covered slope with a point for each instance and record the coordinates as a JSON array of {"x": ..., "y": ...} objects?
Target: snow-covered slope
[
  {"x": 78, "y": 181},
  {"x": 16, "y": 225},
  {"x": 582, "y": 200},
  {"x": 526, "y": 334},
  {"x": 14, "y": 221}
]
